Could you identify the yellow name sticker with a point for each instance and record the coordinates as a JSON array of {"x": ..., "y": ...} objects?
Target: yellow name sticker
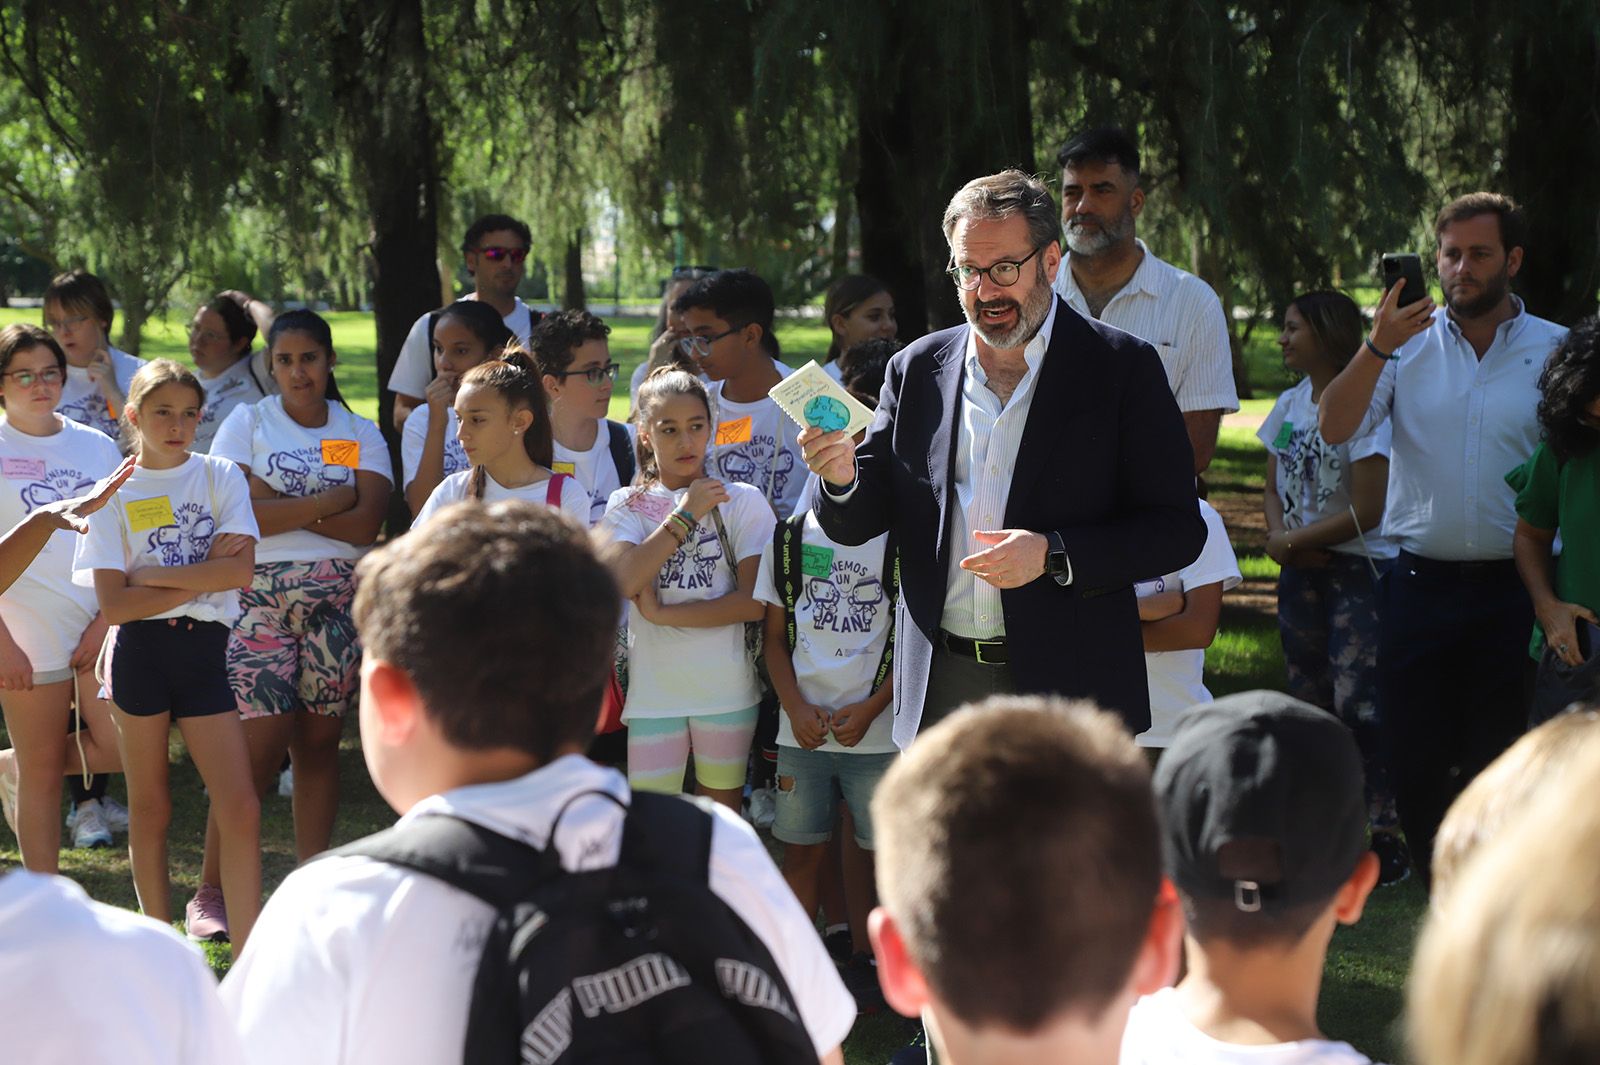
[
  {"x": 568, "y": 468},
  {"x": 341, "y": 453},
  {"x": 150, "y": 513},
  {"x": 734, "y": 432}
]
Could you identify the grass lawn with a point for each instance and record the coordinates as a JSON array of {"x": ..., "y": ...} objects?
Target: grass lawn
[{"x": 1367, "y": 966}]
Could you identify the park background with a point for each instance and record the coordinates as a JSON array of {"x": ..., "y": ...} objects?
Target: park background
[{"x": 331, "y": 155}]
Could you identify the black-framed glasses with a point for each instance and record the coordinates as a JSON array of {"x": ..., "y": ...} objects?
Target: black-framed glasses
[
  {"x": 595, "y": 375},
  {"x": 494, "y": 254},
  {"x": 699, "y": 347},
  {"x": 1003, "y": 273},
  {"x": 50, "y": 375}
]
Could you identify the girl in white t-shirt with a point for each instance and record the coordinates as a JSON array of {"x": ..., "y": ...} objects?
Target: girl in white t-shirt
[
  {"x": 467, "y": 333},
  {"x": 220, "y": 336},
  {"x": 320, "y": 480},
  {"x": 693, "y": 549},
  {"x": 1323, "y": 505},
  {"x": 503, "y": 420},
  {"x": 78, "y": 313},
  {"x": 166, "y": 558},
  {"x": 50, "y": 628}
]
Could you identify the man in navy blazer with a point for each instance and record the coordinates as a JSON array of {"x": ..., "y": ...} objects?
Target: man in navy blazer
[{"x": 1032, "y": 465}]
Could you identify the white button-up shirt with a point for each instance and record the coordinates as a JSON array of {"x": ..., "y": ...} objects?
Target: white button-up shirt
[
  {"x": 986, "y": 455},
  {"x": 1177, "y": 314},
  {"x": 1460, "y": 425}
]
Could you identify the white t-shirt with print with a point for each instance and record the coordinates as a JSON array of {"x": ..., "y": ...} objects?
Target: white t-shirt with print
[
  {"x": 694, "y": 672},
  {"x": 413, "y": 367},
  {"x": 1313, "y": 482},
  {"x": 843, "y": 615},
  {"x": 415, "y": 435},
  {"x": 1175, "y": 677},
  {"x": 458, "y": 487},
  {"x": 374, "y": 964},
  {"x": 84, "y": 403},
  {"x": 230, "y": 388},
  {"x": 300, "y": 461},
  {"x": 1158, "y": 1033},
  {"x": 155, "y": 1003},
  {"x": 757, "y": 444},
  {"x": 168, "y": 518},
  {"x": 35, "y": 470},
  {"x": 595, "y": 469}
]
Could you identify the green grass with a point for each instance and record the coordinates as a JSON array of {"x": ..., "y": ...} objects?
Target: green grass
[{"x": 1367, "y": 965}]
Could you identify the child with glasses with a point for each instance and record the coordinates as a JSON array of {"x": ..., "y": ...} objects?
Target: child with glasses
[
  {"x": 78, "y": 313},
  {"x": 574, "y": 361},
  {"x": 220, "y": 336}
]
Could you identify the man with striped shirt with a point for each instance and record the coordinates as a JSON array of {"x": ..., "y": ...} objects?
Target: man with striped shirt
[{"x": 1111, "y": 276}]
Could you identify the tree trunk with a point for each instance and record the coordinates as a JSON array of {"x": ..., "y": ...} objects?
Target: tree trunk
[
  {"x": 384, "y": 102},
  {"x": 1553, "y": 162},
  {"x": 572, "y": 292}
]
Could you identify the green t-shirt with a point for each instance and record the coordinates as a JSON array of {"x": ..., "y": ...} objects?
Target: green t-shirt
[{"x": 1565, "y": 496}]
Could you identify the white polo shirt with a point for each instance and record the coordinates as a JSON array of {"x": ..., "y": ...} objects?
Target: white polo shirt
[{"x": 1177, "y": 314}]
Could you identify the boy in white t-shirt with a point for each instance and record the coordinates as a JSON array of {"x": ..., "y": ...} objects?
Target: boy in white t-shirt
[
  {"x": 1180, "y": 613},
  {"x": 1264, "y": 834},
  {"x": 376, "y": 963},
  {"x": 574, "y": 361}
]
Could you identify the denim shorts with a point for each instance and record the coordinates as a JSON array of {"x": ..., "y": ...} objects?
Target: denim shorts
[{"x": 816, "y": 781}]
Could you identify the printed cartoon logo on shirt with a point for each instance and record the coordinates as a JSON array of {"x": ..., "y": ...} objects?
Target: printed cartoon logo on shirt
[
  {"x": 751, "y": 463},
  {"x": 187, "y": 541},
  {"x": 56, "y": 485},
  {"x": 694, "y": 565},
  {"x": 1312, "y": 469},
  {"x": 455, "y": 457},
  {"x": 847, "y": 599},
  {"x": 90, "y": 409},
  {"x": 216, "y": 397},
  {"x": 294, "y": 471}
]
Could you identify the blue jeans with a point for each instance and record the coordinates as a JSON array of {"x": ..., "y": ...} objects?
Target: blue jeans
[{"x": 816, "y": 781}]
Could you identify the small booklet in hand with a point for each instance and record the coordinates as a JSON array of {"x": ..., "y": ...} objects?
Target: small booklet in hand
[{"x": 814, "y": 399}]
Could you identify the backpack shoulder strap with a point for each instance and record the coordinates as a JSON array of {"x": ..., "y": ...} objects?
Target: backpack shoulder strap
[
  {"x": 494, "y": 868},
  {"x": 622, "y": 452},
  {"x": 668, "y": 833},
  {"x": 891, "y": 572},
  {"x": 786, "y": 544},
  {"x": 553, "y": 487}
]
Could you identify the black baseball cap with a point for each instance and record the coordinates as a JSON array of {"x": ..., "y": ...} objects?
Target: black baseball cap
[{"x": 1262, "y": 802}]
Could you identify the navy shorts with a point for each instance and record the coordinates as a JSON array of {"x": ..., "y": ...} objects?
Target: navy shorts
[{"x": 170, "y": 665}]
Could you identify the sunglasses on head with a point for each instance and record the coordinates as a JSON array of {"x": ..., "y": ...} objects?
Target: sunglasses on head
[{"x": 495, "y": 254}]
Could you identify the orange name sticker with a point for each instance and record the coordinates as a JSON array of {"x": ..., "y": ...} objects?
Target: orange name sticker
[
  {"x": 734, "y": 432},
  {"x": 341, "y": 453}
]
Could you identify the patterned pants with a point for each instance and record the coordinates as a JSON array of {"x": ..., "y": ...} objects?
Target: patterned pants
[
  {"x": 295, "y": 648},
  {"x": 1328, "y": 620}
]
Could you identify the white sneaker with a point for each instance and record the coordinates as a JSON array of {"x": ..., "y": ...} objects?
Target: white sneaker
[
  {"x": 286, "y": 782},
  {"x": 8, "y": 788},
  {"x": 89, "y": 827},
  {"x": 763, "y": 807},
  {"x": 116, "y": 815}
]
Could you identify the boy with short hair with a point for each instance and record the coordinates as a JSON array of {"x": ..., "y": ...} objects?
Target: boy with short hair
[
  {"x": 574, "y": 361},
  {"x": 78, "y": 312},
  {"x": 1265, "y": 837},
  {"x": 1019, "y": 865},
  {"x": 488, "y": 633}
]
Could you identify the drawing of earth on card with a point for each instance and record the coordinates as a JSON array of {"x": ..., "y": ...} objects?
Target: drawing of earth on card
[{"x": 813, "y": 399}]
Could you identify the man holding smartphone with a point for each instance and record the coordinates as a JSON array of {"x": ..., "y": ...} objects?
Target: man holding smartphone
[{"x": 1460, "y": 389}]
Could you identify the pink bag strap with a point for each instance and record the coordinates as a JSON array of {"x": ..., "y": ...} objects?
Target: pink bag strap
[{"x": 552, "y": 491}]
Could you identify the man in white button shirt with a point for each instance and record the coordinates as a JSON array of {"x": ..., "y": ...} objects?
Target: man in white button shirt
[
  {"x": 1460, "y": 389},
  {"x": 1111, "y": 276},
  {"x": 1032, "y": 465},
  {"x": 494, "y": 251}
]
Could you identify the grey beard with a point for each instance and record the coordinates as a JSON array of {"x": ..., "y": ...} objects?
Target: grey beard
[
  {"x": 1095, "y": 241},
  {"x": 1030, "y": 318}
]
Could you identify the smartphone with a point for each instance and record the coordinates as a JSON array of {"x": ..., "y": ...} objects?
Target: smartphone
[{"x": 1404, "y": 265}]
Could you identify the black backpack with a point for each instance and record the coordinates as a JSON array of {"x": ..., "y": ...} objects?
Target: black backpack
[
  {"x": 622, "y": 452},
  {"x": 640, "y": 962}
]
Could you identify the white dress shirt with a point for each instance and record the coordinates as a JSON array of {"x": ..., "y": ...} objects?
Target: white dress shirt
[
  {"x": 986, "y": 456},
  {"x": 1460, "y": 425},
  {"x": 1177, "y": 314}
]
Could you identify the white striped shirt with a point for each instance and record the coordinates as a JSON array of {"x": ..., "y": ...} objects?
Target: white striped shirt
[
  {"x": 1177, "y": 314},
  {"x": 1460, "y": 425},
  {"x": 986, "y": 457}
]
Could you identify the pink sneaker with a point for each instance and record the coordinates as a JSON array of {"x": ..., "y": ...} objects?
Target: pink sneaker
[{"x": 206, "y": 917}]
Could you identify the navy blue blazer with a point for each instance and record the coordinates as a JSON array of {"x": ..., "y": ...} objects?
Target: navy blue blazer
[{"x": 1104, "y": 460}]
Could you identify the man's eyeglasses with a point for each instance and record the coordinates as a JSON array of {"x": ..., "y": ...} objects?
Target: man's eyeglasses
[
  {"x": 27, "y": 378},
  {"x": 595, "y": 375},
  {"x": 66, "y": 325},
  {"x": 494, "y": 254},
  {"x": 1003, "y": 273},
  {"x": 699, "y": 347}
]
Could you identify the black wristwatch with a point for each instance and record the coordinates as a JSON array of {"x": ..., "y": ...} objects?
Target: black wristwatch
[{"x": 1055, "y": 559}]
